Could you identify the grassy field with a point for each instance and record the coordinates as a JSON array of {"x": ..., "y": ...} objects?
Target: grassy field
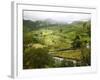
[{"x": 70, "y": 54}]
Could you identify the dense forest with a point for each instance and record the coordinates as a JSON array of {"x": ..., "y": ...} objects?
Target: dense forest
[{"x": 48, "y": 44}]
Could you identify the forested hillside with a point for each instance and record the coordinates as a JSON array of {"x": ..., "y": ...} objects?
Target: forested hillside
[{"x": 48, "y": 44}]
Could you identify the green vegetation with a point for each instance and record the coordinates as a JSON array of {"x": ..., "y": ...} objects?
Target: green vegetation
[
  {"x": 47, "y": 45},
  {"x": 37, "y": 58}
]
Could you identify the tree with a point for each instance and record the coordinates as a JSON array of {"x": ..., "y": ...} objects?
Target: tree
[
  {"x": 86, "y": 54},
  {"x": 37, "y": 58},
  {"x": 76, "y": 42},
  {"x": 81, "y": 40},
  {"x": 87, "y": 28}
]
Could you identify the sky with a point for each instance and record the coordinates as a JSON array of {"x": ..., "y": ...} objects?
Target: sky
[{"x": 56, "y": 16}]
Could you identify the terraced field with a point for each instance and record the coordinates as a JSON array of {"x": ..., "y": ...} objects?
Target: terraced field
[{"x": 69, "y": 54}]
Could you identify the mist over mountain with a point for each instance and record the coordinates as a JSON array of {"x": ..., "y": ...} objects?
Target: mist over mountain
[{"x": 30, "y": 25}]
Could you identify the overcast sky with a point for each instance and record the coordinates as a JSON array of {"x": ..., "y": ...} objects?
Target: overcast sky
[{"x": 59, "y": 17}]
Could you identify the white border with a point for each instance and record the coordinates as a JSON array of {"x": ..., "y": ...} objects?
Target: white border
[{"x": 17, "y": 40}]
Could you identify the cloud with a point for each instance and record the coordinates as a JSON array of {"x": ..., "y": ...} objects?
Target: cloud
[{"x": 60, "y": 17}]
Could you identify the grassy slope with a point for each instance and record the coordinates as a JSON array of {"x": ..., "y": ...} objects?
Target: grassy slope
[
  {"x": 58, "y": 37},
  {"x": 55, "y": 39}
]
